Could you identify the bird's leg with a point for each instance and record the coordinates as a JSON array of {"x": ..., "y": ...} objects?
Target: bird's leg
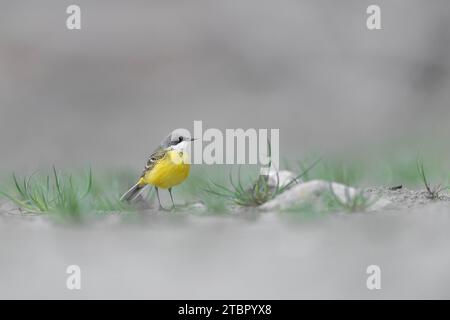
[
  {"x": 171, "y": 197},
  {"x": 159, "y": 201}
]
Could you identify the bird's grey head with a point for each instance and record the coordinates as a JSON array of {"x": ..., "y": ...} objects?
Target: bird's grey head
[{"x": 175, "y": 139}]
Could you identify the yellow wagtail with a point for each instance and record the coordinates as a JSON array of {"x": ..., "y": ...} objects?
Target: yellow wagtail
[{"x": 166, "y": 167}]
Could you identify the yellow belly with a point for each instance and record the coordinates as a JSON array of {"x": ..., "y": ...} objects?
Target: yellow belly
[{"x": 170, "y": 171}]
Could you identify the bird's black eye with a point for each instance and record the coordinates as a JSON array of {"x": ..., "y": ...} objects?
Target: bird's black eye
[{"x": 180, "y": 139}]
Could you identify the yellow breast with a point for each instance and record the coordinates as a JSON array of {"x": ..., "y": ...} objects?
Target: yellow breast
[{"x": 170, "y": 171}]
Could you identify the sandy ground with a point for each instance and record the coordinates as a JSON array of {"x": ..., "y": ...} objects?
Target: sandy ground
[{"x": 248, "y": 256}]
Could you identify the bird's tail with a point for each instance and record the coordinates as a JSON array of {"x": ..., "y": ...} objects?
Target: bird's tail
[{"x": 133, "y": 192}]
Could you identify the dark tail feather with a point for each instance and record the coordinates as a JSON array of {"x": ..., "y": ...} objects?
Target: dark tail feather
[{"x": 132, "y": 193}]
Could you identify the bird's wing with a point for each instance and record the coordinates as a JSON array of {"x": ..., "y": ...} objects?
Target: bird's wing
[{"x": 157, "y": 155}]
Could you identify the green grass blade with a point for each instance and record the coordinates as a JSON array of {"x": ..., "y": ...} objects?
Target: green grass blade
[
  {"x": 21, "y": 204},
  {"x": 18, "y": 187},
  {"x": 89, "y": 186}
]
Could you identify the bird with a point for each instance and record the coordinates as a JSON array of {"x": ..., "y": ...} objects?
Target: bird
[{"x": 166, "y": 167}]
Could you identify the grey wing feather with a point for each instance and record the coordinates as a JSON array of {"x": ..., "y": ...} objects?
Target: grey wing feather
[
  {"x": 135, "y": 190},
  {"x": 153, "y": 159}
]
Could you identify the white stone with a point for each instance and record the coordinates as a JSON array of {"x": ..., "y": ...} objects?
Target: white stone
[
  {"x": 314, "y": 190},
  {"x": 281, "y": 179}
]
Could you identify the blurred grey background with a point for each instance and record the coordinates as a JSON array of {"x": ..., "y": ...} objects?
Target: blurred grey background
[{"x": 107, "y": 94}]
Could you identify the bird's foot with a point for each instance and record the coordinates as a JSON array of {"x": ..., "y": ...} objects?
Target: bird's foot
[{"x": 161, "y": 208}]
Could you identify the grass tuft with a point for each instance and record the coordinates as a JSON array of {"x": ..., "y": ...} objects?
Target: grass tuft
[
  {"x": 359, "y": 202},
  {"x": 432, "y": 191},
  {"x": 58, "y": 192},
  {"x": 258, "y": 193}
]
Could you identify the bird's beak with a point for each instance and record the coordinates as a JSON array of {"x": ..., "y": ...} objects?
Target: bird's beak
[{"x": 193, "y": 139}]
